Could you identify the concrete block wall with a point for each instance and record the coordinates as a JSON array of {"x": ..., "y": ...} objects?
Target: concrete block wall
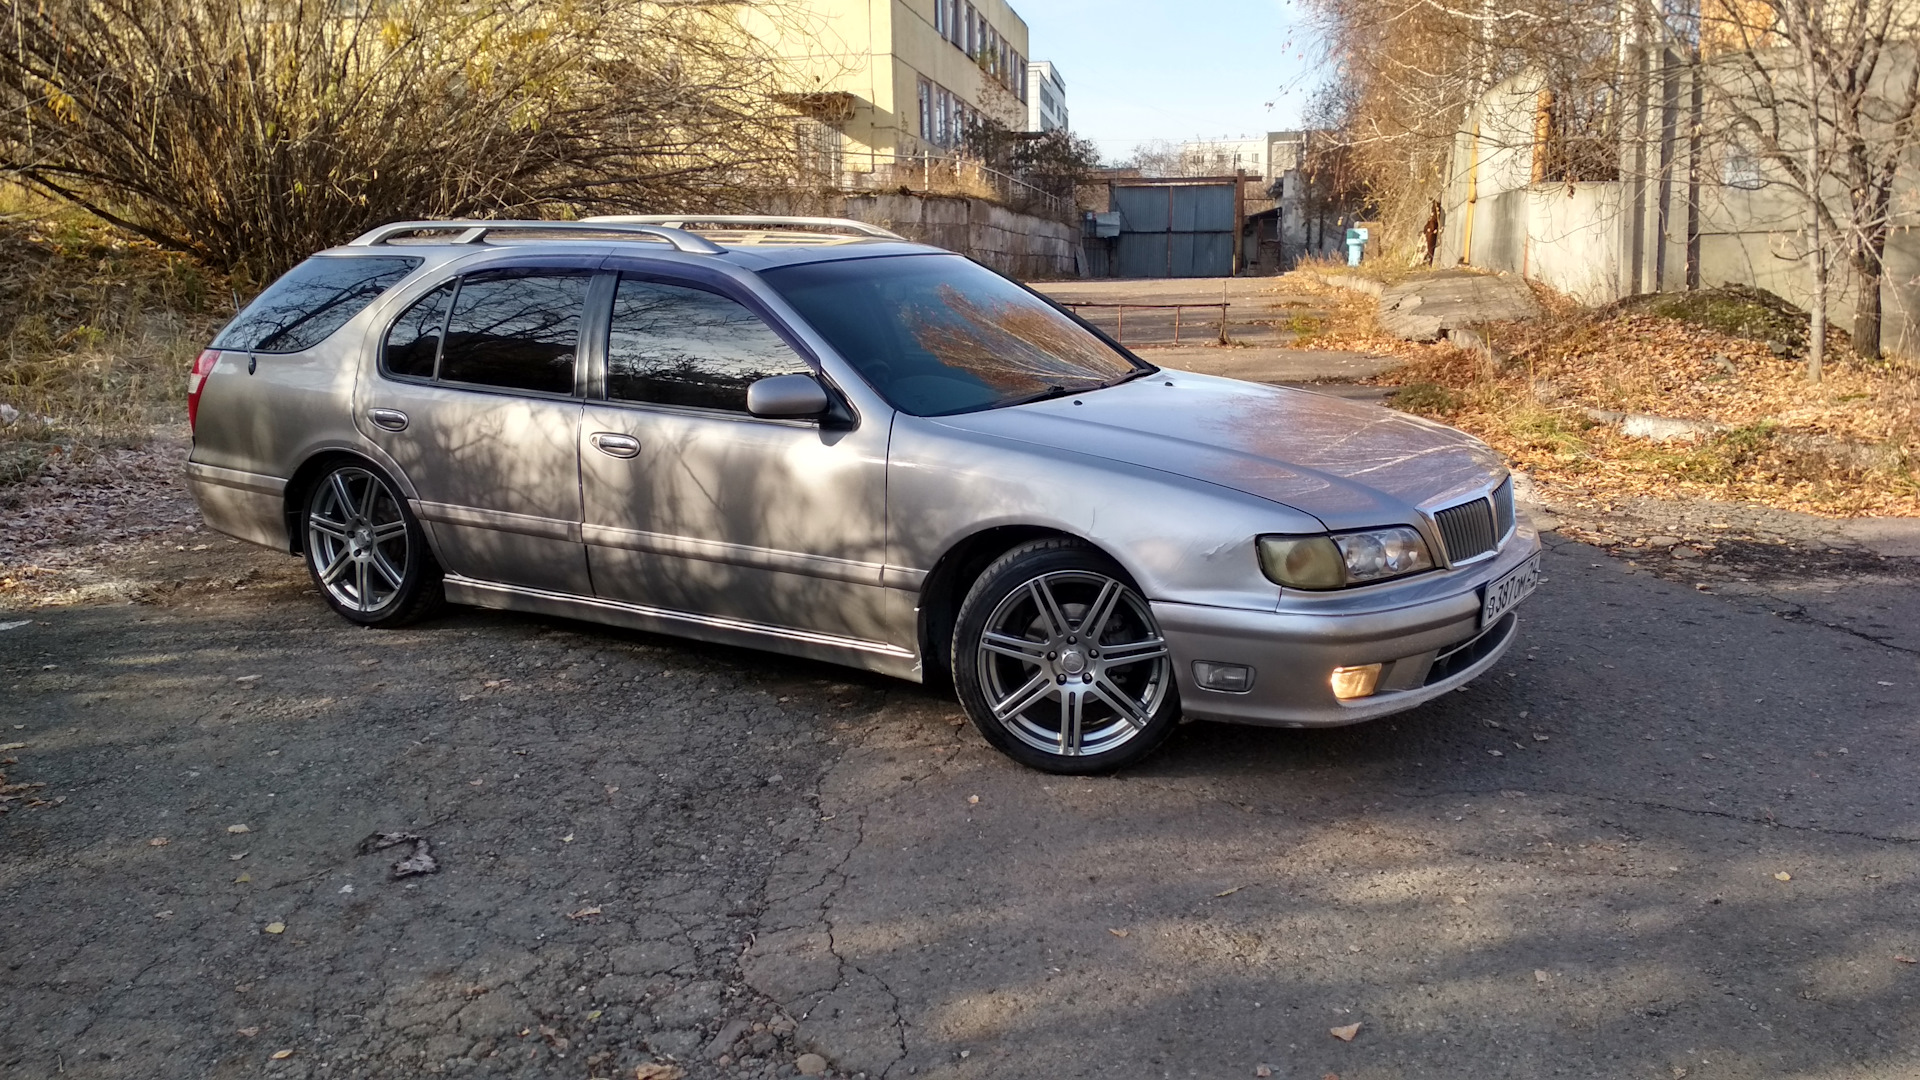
[{"x": 1018, "y": 245}]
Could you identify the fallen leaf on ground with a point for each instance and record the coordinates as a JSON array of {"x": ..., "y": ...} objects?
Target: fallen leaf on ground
[
  {"x": 655, "y": 1070},
  {"x": 238, "y": 829},
  {"x": 1905, "y": 959},
  {"x": 163, "y": 914},
  {"x": 250, "y": 1032},
  {"x": 1229, "y": 892},
  {"x": 1118, "y": 933},
  {"x": 250, "y": 678},
  {"x": 276, "y": 928},
  {"x": 159, "y": 841},
  {"x": 971, "y": 799},
  {"x": 1345, "y": 1034},
  {"x": 585, "y": 912},
  {"x": 1540, "y": 976},
  {"x": 282, "y": 1055},
  {"x": 13, "y": 746},
  {"x": 1263, "y": 1070},
  {"x": 1783, "y": 876},
  {"x": 419, "y": 861},
  {"x": 1459, "y": 899}
]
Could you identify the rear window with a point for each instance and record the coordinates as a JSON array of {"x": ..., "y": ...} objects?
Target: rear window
[{"x": 313, "y": 300}]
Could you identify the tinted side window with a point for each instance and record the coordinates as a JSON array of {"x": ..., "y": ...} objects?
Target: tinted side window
[
  {"x": 516, "y": 329},
  {"x": 413, "y": 344},
  {"x": 312, "y": 301},
  {"x": 671, "y": 345}
]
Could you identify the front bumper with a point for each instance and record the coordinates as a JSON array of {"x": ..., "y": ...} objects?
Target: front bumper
[{"x": 1426, "y": 632}]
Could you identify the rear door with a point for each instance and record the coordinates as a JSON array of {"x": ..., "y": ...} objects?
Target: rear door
[
  {"x": 477, "y": 399},
  {"x": 692, "y": 504}
]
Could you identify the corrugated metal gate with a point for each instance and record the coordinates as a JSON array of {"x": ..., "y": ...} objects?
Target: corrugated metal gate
[{"x": 1175, "y": 230}]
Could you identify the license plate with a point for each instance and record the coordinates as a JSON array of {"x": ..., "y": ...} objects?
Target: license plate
[{"x": 1502, "y": 595}]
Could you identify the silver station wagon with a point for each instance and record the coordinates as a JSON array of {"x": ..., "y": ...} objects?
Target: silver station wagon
[{"x": 814, "y": 437}]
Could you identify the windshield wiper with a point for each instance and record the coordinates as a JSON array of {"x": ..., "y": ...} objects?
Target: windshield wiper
[{"x": 1051, "y": 392}]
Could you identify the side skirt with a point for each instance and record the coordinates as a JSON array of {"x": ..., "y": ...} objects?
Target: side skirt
[{"x": 853, "y": 652}]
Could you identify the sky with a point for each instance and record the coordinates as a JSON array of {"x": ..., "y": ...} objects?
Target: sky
[{"x": 1140, "y": 70}]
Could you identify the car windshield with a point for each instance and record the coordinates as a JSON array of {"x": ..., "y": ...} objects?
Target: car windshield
[{"x": 939, "y": 334}]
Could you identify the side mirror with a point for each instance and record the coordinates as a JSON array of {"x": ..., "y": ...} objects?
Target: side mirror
[{"x": 788, "y": 397}]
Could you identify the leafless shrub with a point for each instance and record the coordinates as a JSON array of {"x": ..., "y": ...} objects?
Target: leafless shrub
[{"x": 250, "y": 132}]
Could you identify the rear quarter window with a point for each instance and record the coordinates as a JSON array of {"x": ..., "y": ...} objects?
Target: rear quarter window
[{"x": 313, "y": 300}]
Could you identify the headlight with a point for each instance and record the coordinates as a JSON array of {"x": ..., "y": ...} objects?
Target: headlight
[{"x": 1332, "y": 562}]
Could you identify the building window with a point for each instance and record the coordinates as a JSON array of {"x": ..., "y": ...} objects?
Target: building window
[
  {"x": 926, "y": 110},
  {"x": 940, "y": 17}
]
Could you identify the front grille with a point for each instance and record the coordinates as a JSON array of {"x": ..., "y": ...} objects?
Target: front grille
[
  {"x": 1467, "y": 530},
  {"x": 1503, "y": 509}
]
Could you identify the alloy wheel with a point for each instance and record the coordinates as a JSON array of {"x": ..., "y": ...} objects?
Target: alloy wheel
[
  {"x": 1073, "y": 664},
  {"x": 358, "y": 541}
]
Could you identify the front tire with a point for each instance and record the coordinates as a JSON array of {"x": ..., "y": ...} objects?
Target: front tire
[
  {"x": 1059, "y": 662},
  {"x": 366, "y": 551}
]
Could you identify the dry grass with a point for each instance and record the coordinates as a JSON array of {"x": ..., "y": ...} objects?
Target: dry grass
[
  {"x": 98, "y": 331},
  {"x": 1847, "y": 446}
]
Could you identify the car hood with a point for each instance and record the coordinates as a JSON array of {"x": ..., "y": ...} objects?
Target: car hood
[{"x": 1350, "y": 464}]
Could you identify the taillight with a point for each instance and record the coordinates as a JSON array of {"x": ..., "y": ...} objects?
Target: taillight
[{"x": 197, "y": 381}]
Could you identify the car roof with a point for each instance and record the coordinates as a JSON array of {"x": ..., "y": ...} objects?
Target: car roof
[{"x": 751, "y": 243}]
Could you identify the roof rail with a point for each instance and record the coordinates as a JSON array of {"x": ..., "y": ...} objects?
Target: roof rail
[
  {"x": 476, "y": 232},
  {"x": 750, "y": 221}
]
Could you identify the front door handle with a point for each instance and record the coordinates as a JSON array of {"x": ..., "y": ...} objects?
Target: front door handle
[
  {"x": 391, "y": 419},
  {"x": 621, "y": 446}
]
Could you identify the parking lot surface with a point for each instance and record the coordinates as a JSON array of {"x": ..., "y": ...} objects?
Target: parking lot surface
[{"x": 1675, "y": 830}]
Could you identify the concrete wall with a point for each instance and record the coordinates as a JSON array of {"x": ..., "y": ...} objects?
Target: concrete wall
[
  {"x": 1602, "y": 240},
  {"x": 1564, "y": 250},
  {"x": 1018, "y": 245}
]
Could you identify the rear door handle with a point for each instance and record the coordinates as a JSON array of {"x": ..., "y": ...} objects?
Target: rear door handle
[
  {"x": 391, "y": 419},
  {"x": 621, "y": 446}
]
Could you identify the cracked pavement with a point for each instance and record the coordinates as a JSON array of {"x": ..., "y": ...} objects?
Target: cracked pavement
[{"x": 661, "y": 851}]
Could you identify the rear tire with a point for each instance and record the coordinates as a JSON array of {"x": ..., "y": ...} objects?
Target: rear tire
[
  {"x": 366, "y": 552},
  {"x": 1059, "y": 662}
]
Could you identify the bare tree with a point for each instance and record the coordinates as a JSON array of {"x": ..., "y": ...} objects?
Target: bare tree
[
  {"x": 1828, "y": 95},
  {"x": 250, "y": 132}
]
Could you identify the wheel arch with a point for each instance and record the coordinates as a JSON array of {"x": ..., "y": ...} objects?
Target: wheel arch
[
  {"x": 309, "y": 473},
  {"x": 955, "y": 571}
]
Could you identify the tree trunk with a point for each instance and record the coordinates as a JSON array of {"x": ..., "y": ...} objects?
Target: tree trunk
[
  {"x": 1867, "y": 273},
  {"x": 1817, "y": 316}
]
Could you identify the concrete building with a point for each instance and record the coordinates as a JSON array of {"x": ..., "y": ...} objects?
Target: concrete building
[
  {"x": 1267, "y": 156},
  {"x": 886, "y": 81},
  {"x": 1046, "y": 97}
]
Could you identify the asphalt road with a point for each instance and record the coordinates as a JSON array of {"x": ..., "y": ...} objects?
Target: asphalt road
[{"x": 1675, "y": 834}]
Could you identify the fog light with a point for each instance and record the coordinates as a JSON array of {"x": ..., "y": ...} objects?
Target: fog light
[
  {"x": 1226, "y": 678},
  {"x": 1355, "y": 682}
]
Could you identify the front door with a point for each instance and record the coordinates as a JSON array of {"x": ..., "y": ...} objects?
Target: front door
[
  {"x": 691, "y": 504},
  {"x": 476, "y": 401}
]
